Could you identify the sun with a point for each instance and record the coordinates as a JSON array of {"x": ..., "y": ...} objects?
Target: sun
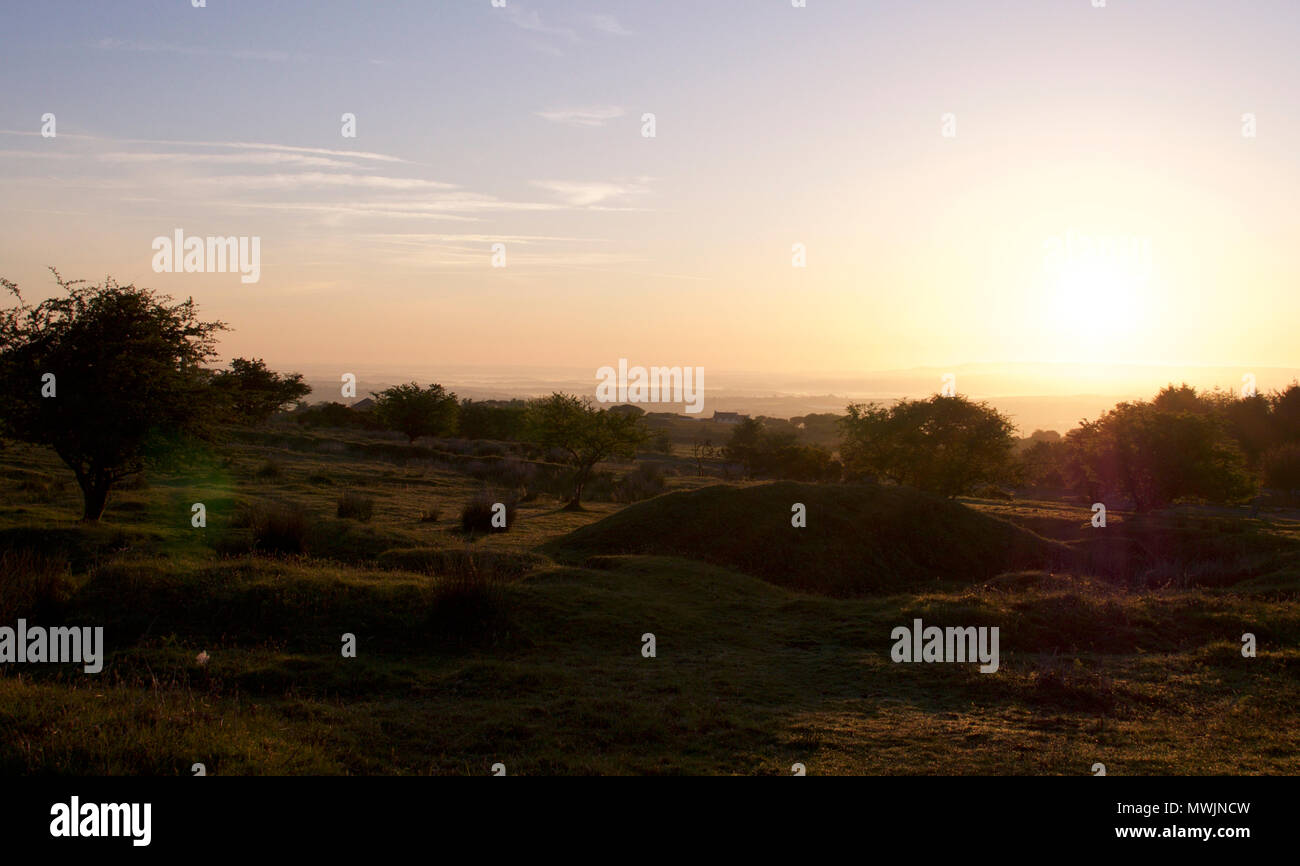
[{"x": 1100, "y": 296}]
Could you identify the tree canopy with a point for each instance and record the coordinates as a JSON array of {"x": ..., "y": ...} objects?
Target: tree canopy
[
  {"x": 253, "y": 393},
  {"x": 101, "y": 374},
  {"x": 586, "y": 434},
  {"x": 944, "y": 444},
  {"x": 416, "y": 411}
]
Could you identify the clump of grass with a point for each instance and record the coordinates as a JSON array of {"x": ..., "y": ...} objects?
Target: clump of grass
[
  {"x": 277, "y": 527},
  {"x": 645, "y": 481},
  {"x": 430, "y": 514},
  {"x": 467, "y": 606},
  {"x": 1080, "y": 691},
  {"x": 320, "y": 480},
  {"x": 478, "y": 514},
  {"x": 33, "y": 584},
  {"x": 354, "y": 505},
  {"x": 269, "y": 470}
]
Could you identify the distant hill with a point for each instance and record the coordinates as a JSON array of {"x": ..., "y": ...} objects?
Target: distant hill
[{"x": 860, "y": 539}]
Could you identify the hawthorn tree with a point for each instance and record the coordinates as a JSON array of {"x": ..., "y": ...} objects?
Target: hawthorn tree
[
  {"x": 103, "y": 374},
  {"x": 416, "y": 411},
  {"x": 585, "y": 433}
]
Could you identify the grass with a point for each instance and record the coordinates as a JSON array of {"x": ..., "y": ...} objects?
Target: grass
[
  {"x": 524, "y": 647},
  {"x": 859, "y": 539}
]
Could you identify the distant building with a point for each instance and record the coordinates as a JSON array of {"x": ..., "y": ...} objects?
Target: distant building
[
  {"x": 729, "y": 417},
  {"x": 364, "y": 405}
]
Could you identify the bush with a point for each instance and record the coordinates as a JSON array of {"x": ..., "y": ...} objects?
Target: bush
[
  {"x": 646, "y": 480},
  {"x": 477, "y": 514},
  {"x": 354, "y": 505},
  {"x": 34, "y": 585},
  {"x": 269, "y": 469},
  {"x": 431, "y": 514},
  {"x": 277, "y": 527},
  {"x": 1282, "y": 467}
]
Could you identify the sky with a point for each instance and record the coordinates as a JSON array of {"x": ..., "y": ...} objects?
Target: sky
[{"x": 1007, "y": 182}]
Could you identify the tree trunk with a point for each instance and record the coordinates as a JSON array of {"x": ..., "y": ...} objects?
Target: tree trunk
[
  {"x": 94, "y": 494},
  {"x": 578, "y": 483}
]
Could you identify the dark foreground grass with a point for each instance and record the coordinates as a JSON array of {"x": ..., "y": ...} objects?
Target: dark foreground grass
[{"x": 748, "y": 678}]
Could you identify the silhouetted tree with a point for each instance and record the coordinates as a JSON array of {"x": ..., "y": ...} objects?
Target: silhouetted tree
[
  {"x": 254, "y": 393},
  {"x": 494, "y": 420},
  {"x": 945, "y": 444},
  {"x": 416, "y": 411},
  {"x": 586, "y": 434},
  {"x": 101, "y": 375},
  {"x": 1154, "y": 453},
  {"x": 778, "y": 453}
]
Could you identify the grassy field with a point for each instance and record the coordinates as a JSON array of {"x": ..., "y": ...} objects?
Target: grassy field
[{"x": 524, "y": 647}]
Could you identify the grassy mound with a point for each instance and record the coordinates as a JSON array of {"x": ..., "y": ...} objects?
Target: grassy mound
[{"x": 859, "y": 539}]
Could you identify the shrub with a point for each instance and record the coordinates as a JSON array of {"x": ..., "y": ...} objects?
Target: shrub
[
  {"x": 431, "y": 514},
  {"x": 277, "y": 527},
  {"x": 269, "y": 469},
  {"x": 641, "y": 482},
  {"x": 354, "y": 505},
  {"x": 477, "y": 514},
  {"x": 33, "y": 585}
]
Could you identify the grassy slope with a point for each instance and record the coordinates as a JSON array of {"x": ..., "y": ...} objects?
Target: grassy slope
[
  {"x": 750, "y": 676},
  {"x": 859, "y": 539}
]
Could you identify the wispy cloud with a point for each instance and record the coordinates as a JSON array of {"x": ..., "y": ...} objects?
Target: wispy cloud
[
  {"x": 277, "y": 158},
  {"x": 237, "y": 145},
  {"x": 531, "y": 20},
  {"x": 608, "y": 24},
  {"x": 580, "y": 193},
  {"x": 593, "y": 116},
  {"x": 317, "y": 178},
  {"x": 197, "y": 50},
  {"x": 37, "y": 154},
  {"x": 419, "y": 238}
]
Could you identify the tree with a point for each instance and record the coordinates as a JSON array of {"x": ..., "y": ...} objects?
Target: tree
[
  {"x": 1282, "y": 468},
  {"x": 944, "y": 444},
  {"x": 1154, "y": 453},
  {"x": 778, "y": 453},
  {"x": 746, "y": 445},
  {"x": 701, "y": 450},
  {"x": 103, "y": 374},
  {"x": 416, "y": 411},
  {"x": 254, "y": 393},
  {"x": 1042, "y": 464},
  {"x": 495, "y": 419},
  {"x": 585, "y": 433}
]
